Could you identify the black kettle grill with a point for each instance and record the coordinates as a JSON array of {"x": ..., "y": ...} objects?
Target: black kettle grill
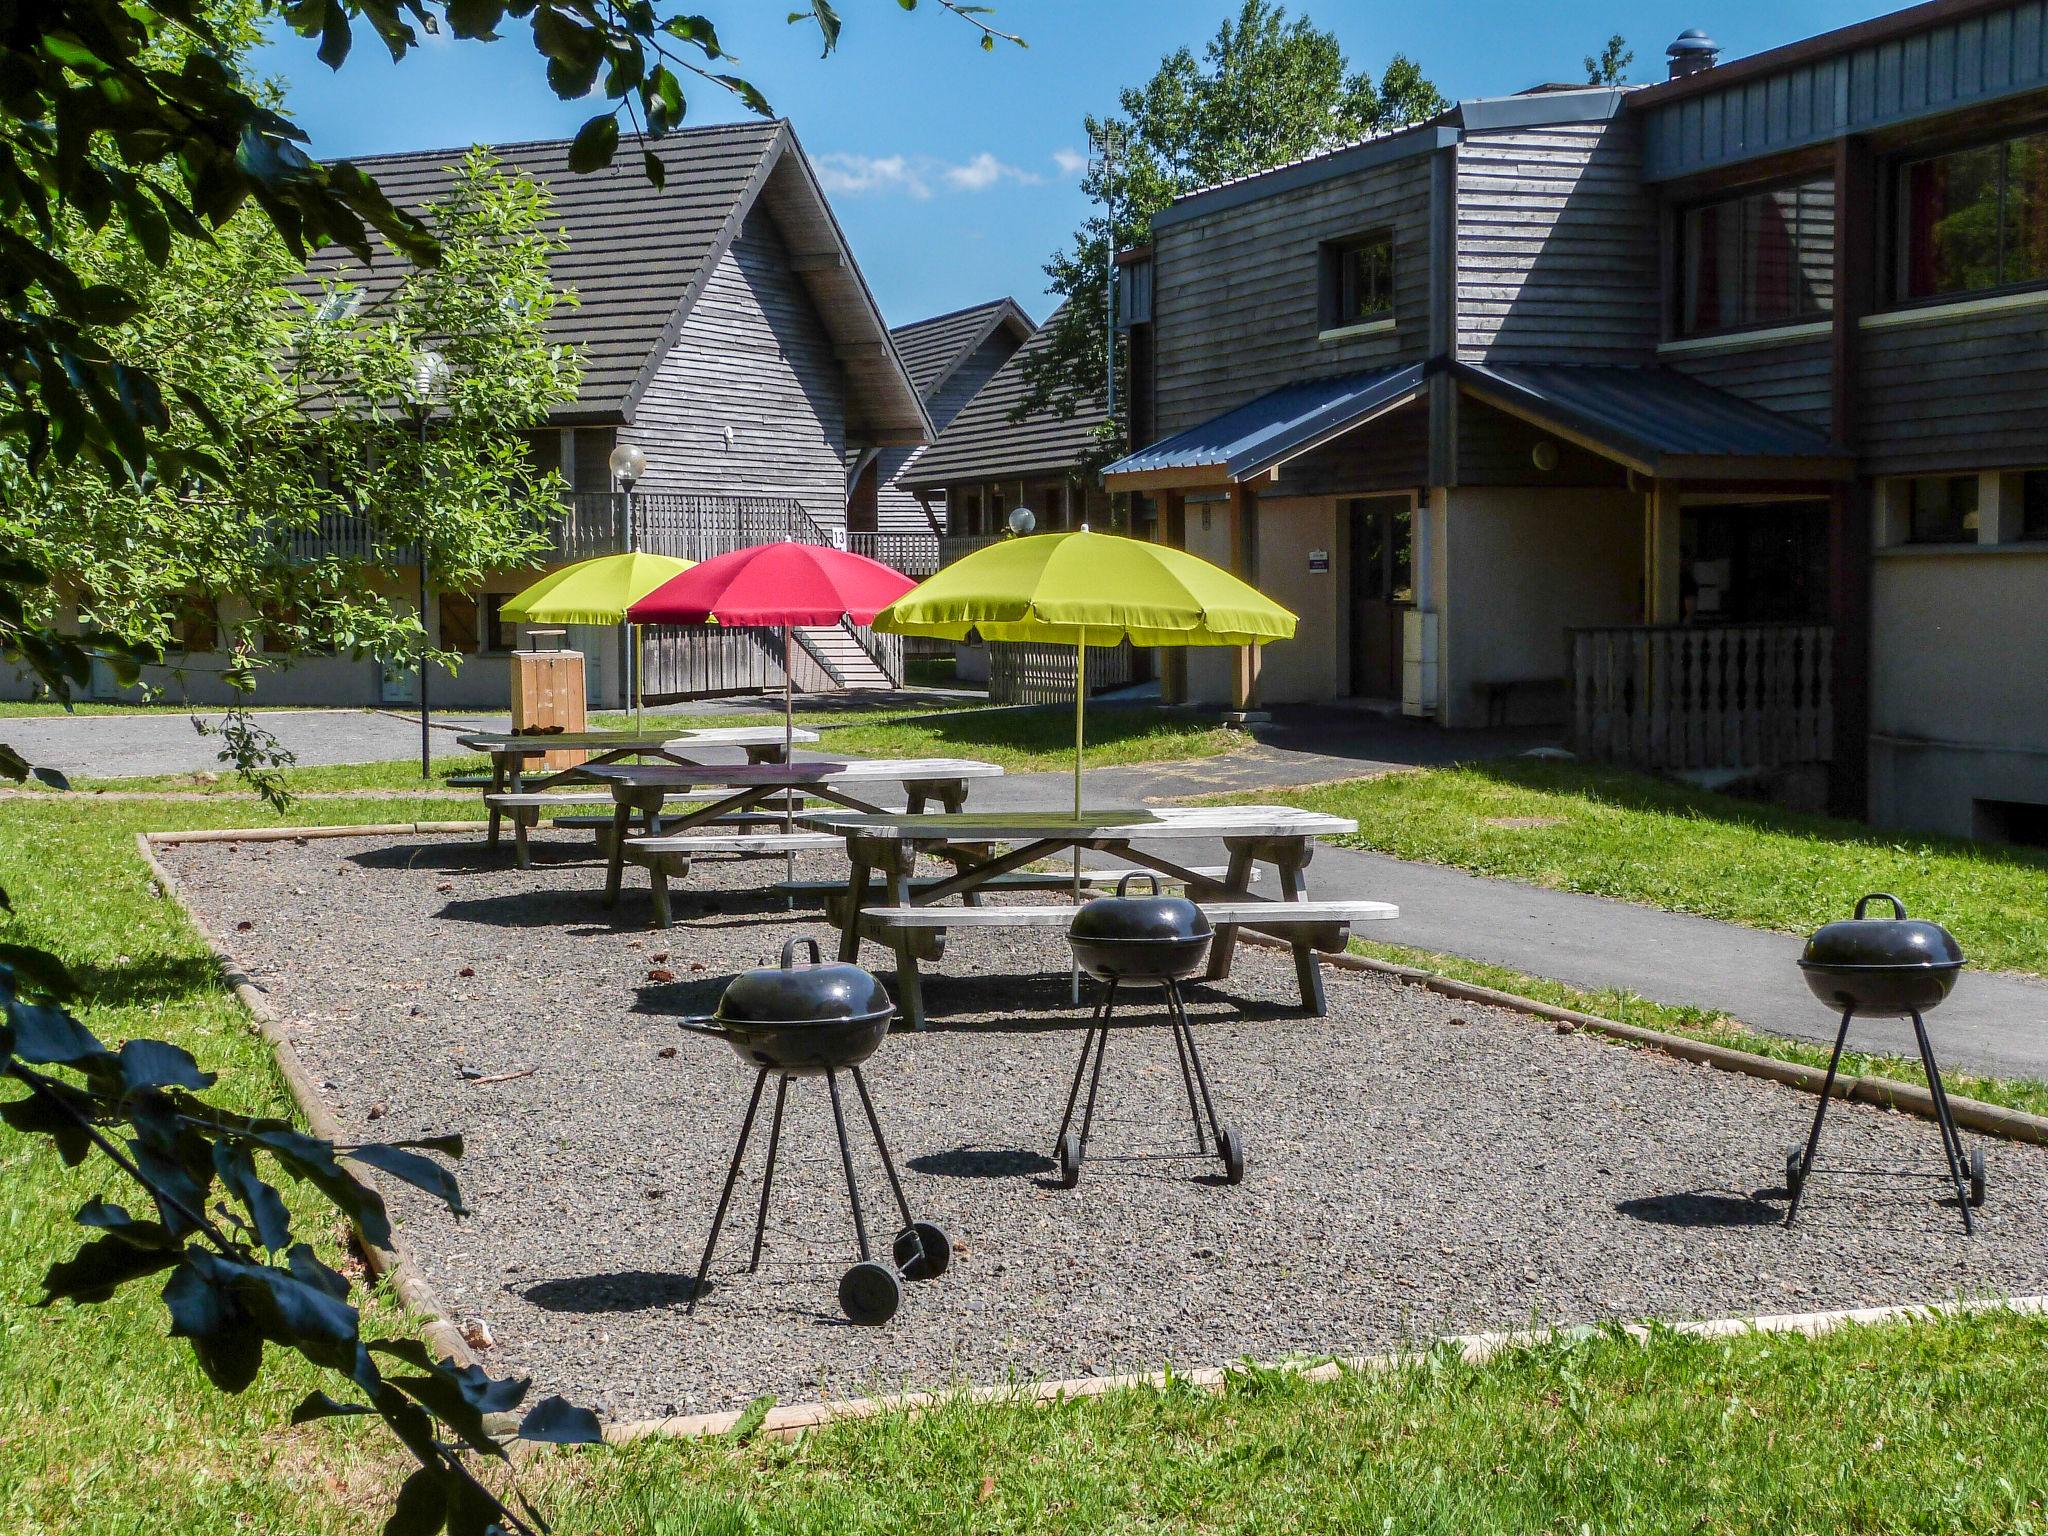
[
  {"x": 816, "y": 1020},
  {"x": 1886, "y": 967},
  {"x": 1152, "y": 940}
]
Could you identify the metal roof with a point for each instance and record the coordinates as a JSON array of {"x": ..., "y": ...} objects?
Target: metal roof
[
  {"x": 983, "y": 443},
  {"x": 931, "y": 349},
  {"x": 1653, "y": 419},
  {"x": 1275, "y": 427},
  {"x": 637, "y": 257}
]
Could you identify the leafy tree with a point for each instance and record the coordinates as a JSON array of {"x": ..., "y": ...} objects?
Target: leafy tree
[
  {"x": 1266, "y": 90},
  {"x": 301, "y": 391},
  {"x": 1611, "y": 67}
]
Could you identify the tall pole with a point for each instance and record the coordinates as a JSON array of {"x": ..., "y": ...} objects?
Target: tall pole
[
  {"x": 1109, "y": 267},
  {"x": 632, "y": 668},
  {"x": 426, "y": 730},
  {"x": 1080, "y": 714}
]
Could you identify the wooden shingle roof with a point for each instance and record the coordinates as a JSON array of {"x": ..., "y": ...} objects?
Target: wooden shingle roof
[
  {"x": 931, "y": 349},
  {"x": 982, "y": 443},
  {"x": 638, "y": 257}
]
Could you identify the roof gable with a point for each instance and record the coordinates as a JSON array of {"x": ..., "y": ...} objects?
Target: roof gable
[
  {"x": 982, "y": 443},
  {"x": 638, "y": 257},
  {"x": 933, "y": 349}
]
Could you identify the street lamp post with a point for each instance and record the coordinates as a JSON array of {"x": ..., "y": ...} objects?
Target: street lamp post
[
  {"x": 628, "y": 465},
  {"x": 429, "y": 381}
]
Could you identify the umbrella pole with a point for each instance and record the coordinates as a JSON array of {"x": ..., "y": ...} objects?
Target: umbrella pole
[
  {"x": 788, "y": 744},
  {"x": 1080, "y": 709},
  {"x": 639, "y": 639}
]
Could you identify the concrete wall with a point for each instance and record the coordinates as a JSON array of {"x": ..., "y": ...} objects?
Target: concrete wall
[
  {"x": 1209, "y": 667},
  {"x": 1958, "y": 683},
  {"x": 1520, "y": 566}
]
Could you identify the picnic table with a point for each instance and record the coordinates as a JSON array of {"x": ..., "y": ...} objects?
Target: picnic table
[
  {"x": 642, "y": 789},
  {"x": 509, "y": 791},
  {"x": 888, "y": 904}
]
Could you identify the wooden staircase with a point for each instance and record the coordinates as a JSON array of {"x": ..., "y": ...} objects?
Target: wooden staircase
[{"x": 839, "y": 651}]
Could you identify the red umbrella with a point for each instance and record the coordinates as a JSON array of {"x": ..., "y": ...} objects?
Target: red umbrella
[{"x": 786, "y": 584}]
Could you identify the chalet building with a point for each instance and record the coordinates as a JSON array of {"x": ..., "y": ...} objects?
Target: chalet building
[
  {"x": 725, "y": 330},
  {"x": 985, "y": 464},
  {"x": 1709, "y": 419},
  {"x": 949, "y": 358}
]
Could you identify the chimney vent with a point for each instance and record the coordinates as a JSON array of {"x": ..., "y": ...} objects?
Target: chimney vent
[{"x": 1691, "y": 53}]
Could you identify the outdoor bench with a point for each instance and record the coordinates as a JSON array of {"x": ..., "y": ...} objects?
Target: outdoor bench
[{"x": 665, "y": 858}]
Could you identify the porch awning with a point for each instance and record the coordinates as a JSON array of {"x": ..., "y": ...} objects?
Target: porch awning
[
  {"x": 1268, "y": 431},
  {"x": 1657, "y": 421}
]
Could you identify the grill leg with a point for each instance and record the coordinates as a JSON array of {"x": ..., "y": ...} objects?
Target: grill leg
[
  {"x": 860, "y": 1222},
  {"x": 1081, "y": 1067},
  {"x": 875, "y": 1125},
  {"x": 1095, "y": 1079},
  {"x": 1951, "y": 1141},
  {"x": 1180, "y": 1014},
  {"x": 768, "y": 1173},
  {"x": 732, "y": 1177},
  {"x": 1187, "y": 1077},
  {"x": 1819, "y": 1114}
]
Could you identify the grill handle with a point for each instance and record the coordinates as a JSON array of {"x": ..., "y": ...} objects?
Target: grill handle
[
  {"x": 1898, "y": 906},
  {"x": 1123, "y": 886},
  {"x": 818, "y": 955},
  {"x": 703, "y": 1024}
]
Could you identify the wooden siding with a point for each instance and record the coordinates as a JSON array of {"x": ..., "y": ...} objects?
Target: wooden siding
[
  {"x": 983, "y": 443},
  {"x": 1495, "y": 448},
  {"x": 1964, "y": 394},
  {"x": 1943, "y": 68},
  {"x": 1236, "y": 307},
  {"x": 1793, "y": 378},
  {"x": 753, "y": 355},
  {"x": 1390, "y": 454},
  {"x": 899, "y": 511},
  {"x": 1557, "y": 246}
]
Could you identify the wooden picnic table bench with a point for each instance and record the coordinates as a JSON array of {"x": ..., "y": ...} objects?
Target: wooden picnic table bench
[
  {"x": 887, "y": 903},
  {"x": 642, "y": 790},
  {"x": 509, "y": 753}
]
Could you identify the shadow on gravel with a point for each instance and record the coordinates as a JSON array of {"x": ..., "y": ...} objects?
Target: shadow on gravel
[
  {"x": 447, "y": 857},
  {"x": 631, "y": 1290},
  {"x": 1704, "y": 1208},
  {"x": 982, "y": 1163},
  {"x": 533, "y": 909}
]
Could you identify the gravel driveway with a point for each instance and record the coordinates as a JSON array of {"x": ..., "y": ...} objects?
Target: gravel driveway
[{"x": 1415, "y": 1166}]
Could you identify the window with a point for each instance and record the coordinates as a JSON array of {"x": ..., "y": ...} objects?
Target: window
[
  {"x": 500, "y": 633},
  {"x": 458, "y": 623},
  {"x": 1358, "y": 280},
  {"x": 1942, "y": 509},
  {"x": 1764, "y": 258},
  {"x": 195, "y": 629},
  {"x": 2034, "y": 504},
  {"x": 1974, "y": 219}
]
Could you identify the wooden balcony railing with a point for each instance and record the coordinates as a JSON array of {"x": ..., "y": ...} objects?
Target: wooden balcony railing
[
  {"x": 1704, "y": 696},
  {"x": 916, "y": 555}
]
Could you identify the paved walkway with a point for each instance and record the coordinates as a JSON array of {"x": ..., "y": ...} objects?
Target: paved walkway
[{"x": 1993, "y": 1023}]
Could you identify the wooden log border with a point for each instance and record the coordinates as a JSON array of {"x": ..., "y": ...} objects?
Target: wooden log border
[{"x": 793, "y": 1421}]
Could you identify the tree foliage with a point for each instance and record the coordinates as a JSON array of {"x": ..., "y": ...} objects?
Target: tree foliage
[
  {"x": 307, "y": 385},
  {"x": 1611, "y": 65},
  {"x": 1266, "y": 90}
]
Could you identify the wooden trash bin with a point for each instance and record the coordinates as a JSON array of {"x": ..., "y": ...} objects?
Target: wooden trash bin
[{"x": 548, "y": 693}]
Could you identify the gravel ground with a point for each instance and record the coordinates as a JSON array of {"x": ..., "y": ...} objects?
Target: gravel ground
[{"x": 1415, "y": 1165}]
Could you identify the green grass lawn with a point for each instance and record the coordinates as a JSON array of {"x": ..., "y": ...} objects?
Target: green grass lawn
[
  {"x": 1613, "y": 833},
  {"x": 106, "y": 1427}
]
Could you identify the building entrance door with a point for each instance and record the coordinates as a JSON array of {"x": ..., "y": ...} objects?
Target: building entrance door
[{"x": 1382, "y": 590}]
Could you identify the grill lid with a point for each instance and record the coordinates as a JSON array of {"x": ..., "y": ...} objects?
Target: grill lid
[
  {"x": 1126, "y": 919},
  {"x": 1882, "y": 943},
  {"x": 820, "y": 992}
]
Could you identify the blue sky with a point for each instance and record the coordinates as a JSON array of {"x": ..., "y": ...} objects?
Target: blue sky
[{"x": 954, "y": 171}]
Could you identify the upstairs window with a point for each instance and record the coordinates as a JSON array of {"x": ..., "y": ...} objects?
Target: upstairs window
[
  {"x": 1763, "y": 258},
  {"x": 1975, "y": 219},
  {"x": 1358, "y": 280}
]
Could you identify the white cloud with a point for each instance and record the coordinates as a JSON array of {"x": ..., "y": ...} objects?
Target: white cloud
[
  {"x": 918, "y": 176},
  {"x": 1070, "y": 161}
]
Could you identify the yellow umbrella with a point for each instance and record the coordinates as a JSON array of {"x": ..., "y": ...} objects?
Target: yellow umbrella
[
  {"x": 1084, "y": 589},
  {"x": 597, "y": 592}
]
